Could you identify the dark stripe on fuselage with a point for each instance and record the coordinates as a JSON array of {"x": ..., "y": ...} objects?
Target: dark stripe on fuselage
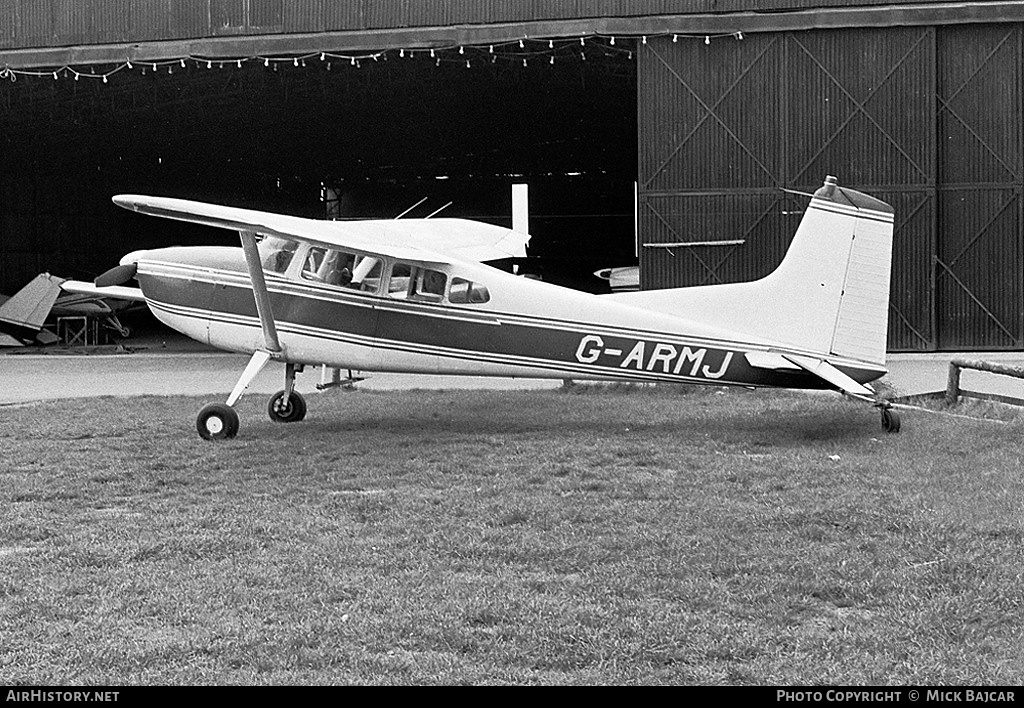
[{"x": 464, "y": 334}]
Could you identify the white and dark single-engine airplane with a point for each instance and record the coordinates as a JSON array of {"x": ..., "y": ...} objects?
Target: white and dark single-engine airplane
[
  {"x": 23, "y": 316},
  {"x": 417, "y": 296}
]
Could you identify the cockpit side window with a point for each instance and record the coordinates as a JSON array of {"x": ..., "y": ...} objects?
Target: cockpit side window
[
  {"x": 415, "y": 282},
  {"x": 429, "y": 285},
  {"x": 329, "y": 266},
  {"x": 276, "y": 253}
]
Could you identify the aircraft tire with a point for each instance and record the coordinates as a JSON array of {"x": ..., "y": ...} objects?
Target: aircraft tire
[
  {"x": 890, "y": 420},
  {"x": 217, "y": 421},
  {"x": 292, "y": 413}
]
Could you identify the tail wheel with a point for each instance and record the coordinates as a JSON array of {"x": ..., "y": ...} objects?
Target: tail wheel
[
  {"x": 890, "y": 420},
  {"x": 217, "y": 421},
  {"x": 291, "y": 412}
]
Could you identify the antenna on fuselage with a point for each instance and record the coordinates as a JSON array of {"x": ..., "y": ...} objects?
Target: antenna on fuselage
[
  {"x": 796, "y": 191},
  {"x": 435, "y": 213},
  {"x": 412, "y": 207}
]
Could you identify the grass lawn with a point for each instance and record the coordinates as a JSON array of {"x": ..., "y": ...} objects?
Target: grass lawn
[{"x": 600, "y": 535}]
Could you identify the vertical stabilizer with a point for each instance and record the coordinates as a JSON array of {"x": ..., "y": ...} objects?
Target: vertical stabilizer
[
  {"x": 831, "y": 291},
  {"x": 828, "y": 297}
]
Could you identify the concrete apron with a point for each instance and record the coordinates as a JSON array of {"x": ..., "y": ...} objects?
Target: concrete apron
[
  {"x": 917, "y": 374},
  {"x": 31, "y": 377}
]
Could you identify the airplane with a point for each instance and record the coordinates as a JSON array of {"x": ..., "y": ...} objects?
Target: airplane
[
  {"x": 418, "y": 296},
  {"x": 621, "y": 279},
  {"x": 23, "y": 315},
  {"x": 105, "y": 306}
]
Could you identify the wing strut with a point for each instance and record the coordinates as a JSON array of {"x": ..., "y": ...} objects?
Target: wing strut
[
  {"x": 263, "y": 309},
  {"x": 259, "y": 290}
]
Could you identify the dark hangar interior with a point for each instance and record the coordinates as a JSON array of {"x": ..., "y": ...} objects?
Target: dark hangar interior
[
  {"x": 323, "y": 137},
  {"x": 677, "y": 136}
]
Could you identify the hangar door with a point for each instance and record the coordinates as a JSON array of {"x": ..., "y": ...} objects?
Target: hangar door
[{"x": 926, "y": 118}]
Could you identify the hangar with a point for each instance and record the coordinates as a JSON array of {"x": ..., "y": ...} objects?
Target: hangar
[{"x": 673, "y": 134}]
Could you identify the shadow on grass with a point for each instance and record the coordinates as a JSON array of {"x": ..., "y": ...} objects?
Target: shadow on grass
[{"x": 781, "y": 419}]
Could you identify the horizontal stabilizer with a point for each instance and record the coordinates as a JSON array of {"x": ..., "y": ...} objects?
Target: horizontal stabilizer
[
  {"x": 822, "y": 369},
  {"x": 770, "y": 360}
]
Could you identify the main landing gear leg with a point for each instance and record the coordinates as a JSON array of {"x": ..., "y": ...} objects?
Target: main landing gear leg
[
  {"x": 219, "y": 421},
  {"x": 287, "y": 406}
]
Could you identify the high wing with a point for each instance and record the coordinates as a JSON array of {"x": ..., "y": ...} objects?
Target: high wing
[{"x": 421, "y": 240}]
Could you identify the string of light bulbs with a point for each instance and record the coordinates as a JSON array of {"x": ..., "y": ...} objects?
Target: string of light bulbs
[{"x": 518, "y": 51}]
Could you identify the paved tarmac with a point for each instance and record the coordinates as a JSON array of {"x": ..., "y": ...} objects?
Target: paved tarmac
[
  {"x": 108, "y": 372},
  {"x": 916, "y": 374},
  {"x": 176, "y": 367}
]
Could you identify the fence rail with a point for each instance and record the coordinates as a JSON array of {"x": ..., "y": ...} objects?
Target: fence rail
[{"x": 953, "y": 390}]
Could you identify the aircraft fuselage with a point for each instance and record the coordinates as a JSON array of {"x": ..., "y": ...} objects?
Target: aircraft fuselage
[{"x": 523, "y": 328}]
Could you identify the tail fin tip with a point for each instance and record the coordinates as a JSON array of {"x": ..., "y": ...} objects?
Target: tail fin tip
[{"x": 831, "y": 191}]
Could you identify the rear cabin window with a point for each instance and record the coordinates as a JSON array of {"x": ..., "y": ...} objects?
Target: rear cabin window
[
  {"x": 398, "y": 281},
  {"x": 366, "y": 275},
  {"x": 429, "y": 285},
  {"x": 416, "y": 283},
  {"x": 465, "y": 292}
]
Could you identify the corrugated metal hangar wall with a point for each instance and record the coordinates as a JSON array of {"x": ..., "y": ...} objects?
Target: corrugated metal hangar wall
[
  {"x": 917, "y": 103},
  {"x": 52, "y": 23},
  {"x": 927, "y": 118}
]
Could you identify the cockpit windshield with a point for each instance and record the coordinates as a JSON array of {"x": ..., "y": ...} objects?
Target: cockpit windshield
[{"x": 276, "y": 253}]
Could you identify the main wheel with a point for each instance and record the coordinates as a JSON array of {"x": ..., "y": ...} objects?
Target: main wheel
[
  {"x": 890, "y": 420},
  {"x": 217, "y": 421},
  {"x": 291, "y": 412}
]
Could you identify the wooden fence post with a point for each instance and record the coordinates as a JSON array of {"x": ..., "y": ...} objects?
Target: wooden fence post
[{"x": 953, "y": 384}]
